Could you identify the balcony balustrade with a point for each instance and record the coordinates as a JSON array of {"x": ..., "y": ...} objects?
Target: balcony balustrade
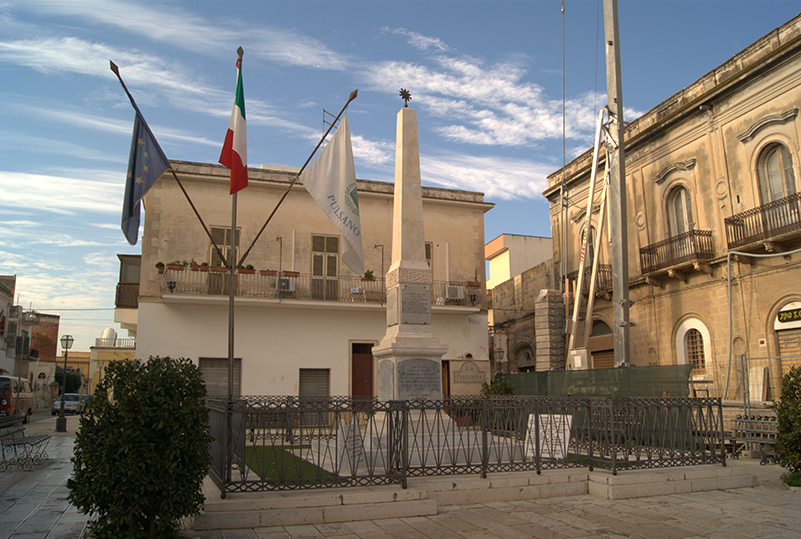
[
  {"x": 603, "y": 282},
  {"x": 115, "y": 343},
  {"x": 765, "y": 223},
  {"x": 694, "y": 246},
  {"x": 304, "y": 287},
  {"x": 127, "y": 296}
]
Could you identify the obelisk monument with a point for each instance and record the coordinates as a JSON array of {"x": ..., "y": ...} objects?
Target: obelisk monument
[{"x": 410, "y": 355}]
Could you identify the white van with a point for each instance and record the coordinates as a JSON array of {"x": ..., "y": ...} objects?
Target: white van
[{"x": 16, "y": 397}]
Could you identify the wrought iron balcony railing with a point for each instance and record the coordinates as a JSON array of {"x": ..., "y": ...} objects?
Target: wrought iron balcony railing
[
  {"x": 291, "y": 285},
  {"x": 604, "y": 281},
  {"x": 127, "y": 296},
  {"x": 764, "y": 222},
  {"x": 692, "y": 246}
]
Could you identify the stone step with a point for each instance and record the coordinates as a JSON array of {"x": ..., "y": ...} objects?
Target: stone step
[{"x": 288, "y": 508}]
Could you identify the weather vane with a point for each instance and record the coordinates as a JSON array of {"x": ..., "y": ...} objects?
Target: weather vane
[{"x": 406, "y": 96}]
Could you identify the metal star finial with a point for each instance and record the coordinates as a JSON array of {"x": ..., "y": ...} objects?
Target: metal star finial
[{"x": 406, "y": 96}]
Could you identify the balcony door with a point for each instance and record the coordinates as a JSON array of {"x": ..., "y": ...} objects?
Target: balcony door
[
  {"x": 777, "y": 182},
  {"x": 325, "y": 267},
  {"x": 680, "y": 224}
]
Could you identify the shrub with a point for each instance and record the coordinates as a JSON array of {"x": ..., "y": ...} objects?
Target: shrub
[
  {"x": 143, "y": 449},
  {"x": 788, "y": 410},
  {"x": 499, "y": 386}
]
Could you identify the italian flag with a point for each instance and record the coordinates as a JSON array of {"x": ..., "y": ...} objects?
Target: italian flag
[{"x": 235, "y": 149}]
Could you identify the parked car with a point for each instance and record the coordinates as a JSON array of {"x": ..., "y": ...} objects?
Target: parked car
[
  {"x": 87, "y": 400},
  {"x": 16, "y": 397},
  {"x": 73, "y": 404}
]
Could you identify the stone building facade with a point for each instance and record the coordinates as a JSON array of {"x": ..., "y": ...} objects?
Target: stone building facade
[{"x": 713, "y": 194}]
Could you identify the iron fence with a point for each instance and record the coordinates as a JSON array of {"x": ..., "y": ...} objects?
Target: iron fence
[{"x": 278, "y": 443}]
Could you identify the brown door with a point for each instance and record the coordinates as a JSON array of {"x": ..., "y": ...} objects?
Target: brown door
[{"x": 362, "y": 370}]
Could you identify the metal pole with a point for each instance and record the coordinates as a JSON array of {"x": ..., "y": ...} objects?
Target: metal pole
[
  {"x": 617, "y": 186},
  {"x": 61, "y": 422}
]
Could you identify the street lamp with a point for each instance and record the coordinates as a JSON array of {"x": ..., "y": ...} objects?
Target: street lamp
[{"x": 61, "y": 422}]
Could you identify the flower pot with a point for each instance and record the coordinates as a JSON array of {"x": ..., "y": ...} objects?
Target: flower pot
[
  {"x": 194, "y": 267},
  {"x": 245, "y": 270},
  {"x": 204, "y": 268},
  {"x": 268, "y": 273},
  {"x": 160, "y": 269},
  {"x": 218, "y": 269},
  {"x": 291, "y": 273},
  {"x": 473, "y": 284},
  {"x": 368, "y": 278},
  {"x": 175, "y": 267}
]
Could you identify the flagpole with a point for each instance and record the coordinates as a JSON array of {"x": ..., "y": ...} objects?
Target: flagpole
[
  {"x": 351, "y": 97},
  {"x": 231, "y": 295}
]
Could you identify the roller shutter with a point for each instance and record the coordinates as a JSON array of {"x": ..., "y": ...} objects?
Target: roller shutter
[
  {"x": 215, "y": 375},
  {"x": 789, "y": 348}
]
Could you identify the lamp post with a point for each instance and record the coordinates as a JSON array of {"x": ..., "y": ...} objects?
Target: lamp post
[{"x": 61, "y": 422}]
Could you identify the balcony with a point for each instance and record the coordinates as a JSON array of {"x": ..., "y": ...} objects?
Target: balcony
[
  {"x": 127, "y": 296},
  {"x": 602, "y": 284},
  {"x": 128, "y": 344},
  {"x": 691, "y": 248},
  {"x": 773, "y": 222},
  {"x": 293, "y": 286}
]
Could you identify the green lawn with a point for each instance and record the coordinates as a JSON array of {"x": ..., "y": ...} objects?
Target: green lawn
[{"x": 278, "y": 463}]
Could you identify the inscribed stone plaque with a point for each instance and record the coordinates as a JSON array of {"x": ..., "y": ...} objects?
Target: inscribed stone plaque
[
  {"x": 350, "y": 448},
  {"x": 415, "y": 303},
  {"x": 386, "y": 380},
  {"x": 554, "y": 435},
  {"x": 419, "y": 379},
  {"x": 392, "y": 306}
]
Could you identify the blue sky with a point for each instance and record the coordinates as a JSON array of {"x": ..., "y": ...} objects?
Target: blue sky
[{"x": 485, "y": 77}]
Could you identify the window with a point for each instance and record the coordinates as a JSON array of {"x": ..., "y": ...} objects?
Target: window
[
  {"x": 222, "y": 236},
  {"x": 590, "y": 246},
  {"x": 680, "y": 215},
  {"x": 775, "y": 172},
  {"x": 325, "y": 266},
  {"x": 694, "y": 345},
  {"x": 430, "y": 255}
]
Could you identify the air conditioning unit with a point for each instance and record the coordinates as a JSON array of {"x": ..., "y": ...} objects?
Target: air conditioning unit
[
  {"x": 453, "y": 291},
  {"x": 285, "y": 284}
]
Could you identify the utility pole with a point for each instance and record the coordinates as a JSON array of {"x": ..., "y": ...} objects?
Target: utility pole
[{"x": 617, "y": 186}]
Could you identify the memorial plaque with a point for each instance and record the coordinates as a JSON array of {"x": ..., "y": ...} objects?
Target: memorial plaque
[
  {"x": 386, "y": 380},
  {"x": 419, "y": 379},
  {"x": 415, "y": 304},
  {"x": 350, "y": 448},
  {"x": 554, "y": 435}
]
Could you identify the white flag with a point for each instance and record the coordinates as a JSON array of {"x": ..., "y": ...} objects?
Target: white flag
[{"x": 331, "y": 181}]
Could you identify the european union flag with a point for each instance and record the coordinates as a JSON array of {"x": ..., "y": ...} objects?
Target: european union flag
[{"x": 145, "y": 165}]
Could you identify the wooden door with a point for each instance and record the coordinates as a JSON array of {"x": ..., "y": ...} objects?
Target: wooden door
[{"x": 362, "y": 370}]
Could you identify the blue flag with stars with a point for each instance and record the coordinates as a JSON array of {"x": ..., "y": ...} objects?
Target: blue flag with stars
[{"x": 145, "y": 165}]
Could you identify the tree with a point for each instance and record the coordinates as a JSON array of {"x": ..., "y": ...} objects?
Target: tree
[
  {"x": 788, "y": 412},
  {"x": 143, "y": 449},
  {"x": 73, "y": 380}
]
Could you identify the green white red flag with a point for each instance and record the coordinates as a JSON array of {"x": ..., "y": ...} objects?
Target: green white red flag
[{"x": 235, "y": 149}]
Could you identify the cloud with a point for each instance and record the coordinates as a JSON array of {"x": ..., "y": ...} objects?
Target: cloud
[
  {"x": 181, "y": 28},
  {"x": 418, "y": 41},
  {"x": 496, "y": 177},
  {"x": 49, "y": 193}
]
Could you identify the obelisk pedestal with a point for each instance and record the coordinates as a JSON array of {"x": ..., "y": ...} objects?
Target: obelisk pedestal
[{"x": 410, "y": 355}]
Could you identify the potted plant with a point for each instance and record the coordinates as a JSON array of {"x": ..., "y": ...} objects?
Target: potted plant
[
  {"x": 286, "y": 273},
  {"x": 473, "y": 284},
  {"x": 175, "y": 265},
  {"x": 246, "y": 269},
  {"x": 194, "y": 266},
  {"x": 368, "y": 276},
  {"x": 268, "y": 272},
  {"x": 218, "y": 268},
  {"x": 204, "y": 266},
  {"x": 160, "y": 267}
]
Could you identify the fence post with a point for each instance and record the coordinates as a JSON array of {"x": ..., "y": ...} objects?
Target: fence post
[
  {"x": 612, "y": 435},
  {"x": 721, "y": 432},
  {"x": 404, "y": 434},
  {"x": 537, "y": 452},
  {"x": 484, "y": 444}
]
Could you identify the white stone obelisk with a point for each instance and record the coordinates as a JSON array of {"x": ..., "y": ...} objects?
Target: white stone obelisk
[{"x": 410, "y": 355}]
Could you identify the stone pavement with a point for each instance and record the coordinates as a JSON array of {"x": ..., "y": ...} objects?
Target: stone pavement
[{"x": 33, "y": 505}]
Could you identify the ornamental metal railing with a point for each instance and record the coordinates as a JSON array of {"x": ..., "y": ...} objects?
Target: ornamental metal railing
[
  {"x": 279, "y": 443},
  {"x": 692, "y": 246},
  {"x": 296, "y": 286},
  {"x": 127, "y": 296},
  {"x": 765, "y": 222},
  {"x": 604, "y": 281}
]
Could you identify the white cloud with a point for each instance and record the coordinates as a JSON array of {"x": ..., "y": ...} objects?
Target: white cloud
[
  {"x": 418, "y": 41},
  {"x": 60, "y": 195}
]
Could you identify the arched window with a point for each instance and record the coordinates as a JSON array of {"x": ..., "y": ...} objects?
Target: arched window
[
  {"x": 680, "y": 214},
  {"x": 775, "y": 172},
  {"x": 694, "y": 347}
]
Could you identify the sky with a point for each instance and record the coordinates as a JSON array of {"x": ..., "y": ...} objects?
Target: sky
[{"x": 486, "y": 80}]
